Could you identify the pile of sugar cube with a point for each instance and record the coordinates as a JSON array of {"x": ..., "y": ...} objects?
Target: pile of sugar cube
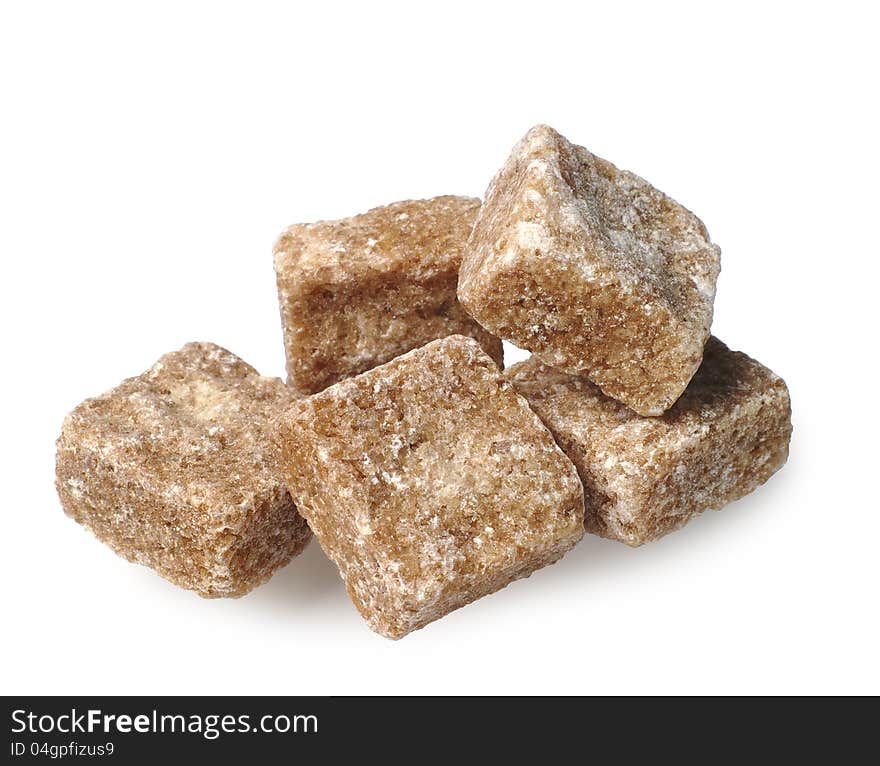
[{"x": 430, "y": 475}]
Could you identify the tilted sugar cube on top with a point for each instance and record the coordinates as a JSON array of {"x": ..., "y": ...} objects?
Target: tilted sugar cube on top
[
  {"x": 593, "y": 270},
  {"x": 357, "y": 292}
]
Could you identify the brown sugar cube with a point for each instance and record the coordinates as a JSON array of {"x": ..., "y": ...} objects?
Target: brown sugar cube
[
  {"x": 175, "y": 469},
  {"x": 644, "y": 477},
  {"x": 358, "y": 292},
  {"x": 429, "y": 483},
  {"x": 593, "y": 270}
]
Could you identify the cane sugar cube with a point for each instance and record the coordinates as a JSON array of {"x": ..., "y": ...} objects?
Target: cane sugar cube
[
  {"x": 429, "y": 483},
  {"x": 643, "y": 477},
  {"x": 176, "y": 469},
  {"x": 593, "y": 270},
  {"x": 357, "y": 292}
]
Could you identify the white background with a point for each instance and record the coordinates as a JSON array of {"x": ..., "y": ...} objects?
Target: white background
[{"x": 151, "y": 153}]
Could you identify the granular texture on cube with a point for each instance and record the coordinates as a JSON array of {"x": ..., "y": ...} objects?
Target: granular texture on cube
[
  {"x": 357, "y": 292},
  {"x": 643, "y": 477},
  {"x": 176, "y": 469},
  {"x": 593, "y": 270},
  {"x": 430, "y": 483}
]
